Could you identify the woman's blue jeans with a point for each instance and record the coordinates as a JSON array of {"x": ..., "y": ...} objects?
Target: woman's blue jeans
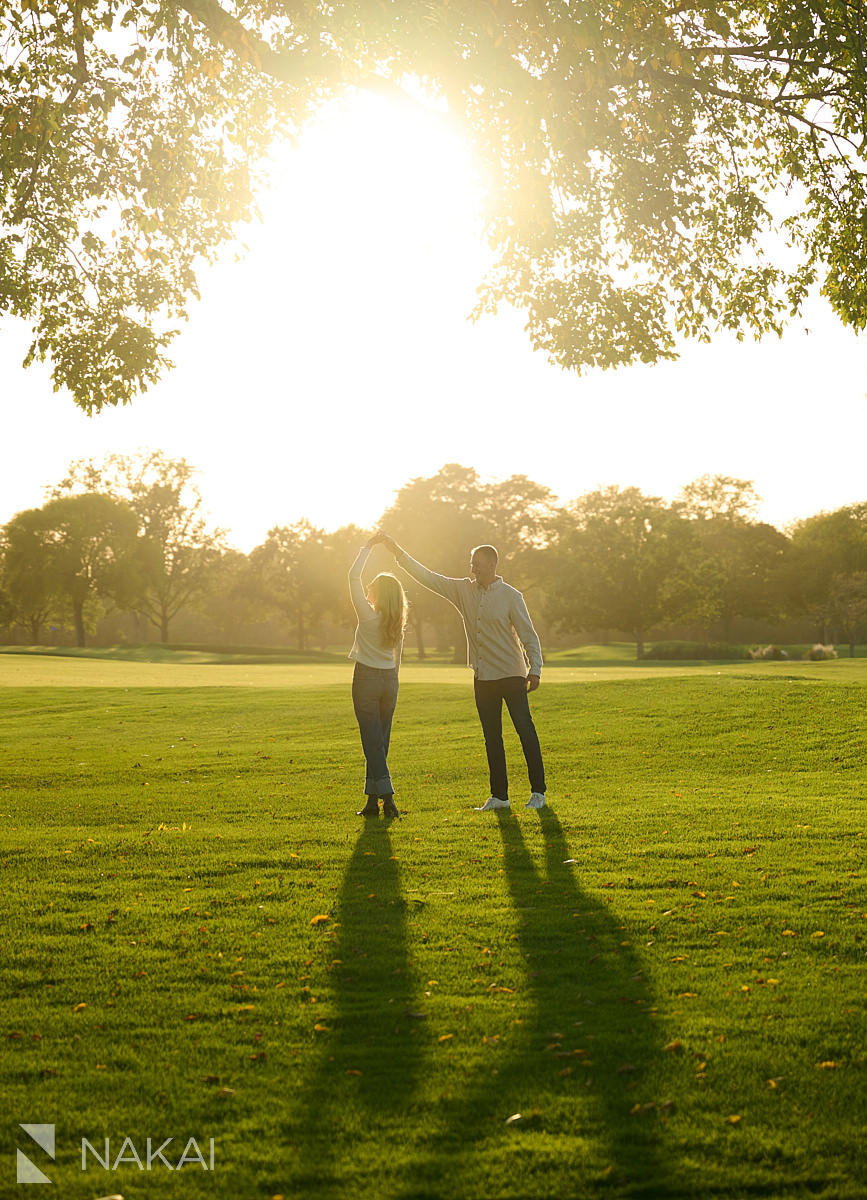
[{"x": 374, "y": 697}]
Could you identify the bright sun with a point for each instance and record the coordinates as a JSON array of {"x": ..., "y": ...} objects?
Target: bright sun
[
  {"x": 385, "y": 194},
  {"x": 364, "y": 265}
]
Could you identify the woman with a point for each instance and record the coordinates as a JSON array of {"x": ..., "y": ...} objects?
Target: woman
[{"x": 376, "y": 650}]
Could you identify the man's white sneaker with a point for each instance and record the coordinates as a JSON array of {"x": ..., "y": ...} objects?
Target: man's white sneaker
[
  {"x": 537, "y": 800},
  {"x": 493, "y": 802}
]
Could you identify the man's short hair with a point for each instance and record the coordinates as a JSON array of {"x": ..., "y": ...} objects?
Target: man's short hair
[{"x": 488, "y": 551}]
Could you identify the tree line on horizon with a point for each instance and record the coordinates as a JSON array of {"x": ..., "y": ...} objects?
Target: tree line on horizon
[{"x": 130, "y": 535}]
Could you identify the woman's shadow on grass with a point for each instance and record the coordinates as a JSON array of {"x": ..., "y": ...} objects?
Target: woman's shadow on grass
[
  {"x": 577, "y": 1063},
  {"x": 367, "y": 1059}
]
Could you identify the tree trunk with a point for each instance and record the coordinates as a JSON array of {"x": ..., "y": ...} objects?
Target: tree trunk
[
  {"x": 459, "y": 639},
  {"x": 34, "y": 626},
  {"x": 164, "y": 626},
  {"x": 302, "y": 632},
  {"x": 419, "y": 636},
  {"x": 78, "y": 610},
  {"x": 639, "y": 644}
]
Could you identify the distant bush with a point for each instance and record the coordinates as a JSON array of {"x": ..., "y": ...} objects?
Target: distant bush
[
  {"x": 696, "y": 650},
  {"x": 769, "y": 653},
  {"x": 820, "y": 653}
]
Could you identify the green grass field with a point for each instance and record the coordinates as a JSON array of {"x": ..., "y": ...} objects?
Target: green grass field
[{"x": 654, "y": 987}]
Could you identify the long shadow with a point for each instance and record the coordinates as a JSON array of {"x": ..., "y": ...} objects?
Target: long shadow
[
  {"x": 576, "y": 1065},
  {"x": 367, "y": 1058}
]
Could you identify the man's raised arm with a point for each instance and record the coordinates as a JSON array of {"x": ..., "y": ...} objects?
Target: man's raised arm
[{"x": 442, "y": 585}]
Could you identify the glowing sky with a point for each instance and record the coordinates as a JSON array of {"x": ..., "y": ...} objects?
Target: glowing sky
[{"x": 335, "y": 362}]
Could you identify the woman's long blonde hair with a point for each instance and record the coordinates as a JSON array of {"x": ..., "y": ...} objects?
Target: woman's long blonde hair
[{"x": 389, "y": 599}]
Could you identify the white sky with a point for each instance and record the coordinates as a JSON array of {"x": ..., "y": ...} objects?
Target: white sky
[{"x": 335, "y": 362}]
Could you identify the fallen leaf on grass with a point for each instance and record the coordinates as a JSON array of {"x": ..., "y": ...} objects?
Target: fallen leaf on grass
[
  {"x": 353, "y": 1071},
  {"x": 642, "y": 1109},
  {"x": 226, "y": 1091},
  {"x": 818, "y": 933},
  {"x": 317, "y": 1028},
  {"x": 732, "y": 1120},
  {"x": 79, "y": 1007},
  {"x": 827, "y": 1066},
  {"x": 320, "y": 918},
  {"x": 210, "y": 1078},
  {"x": 674, "y": 1047},
  {"x": 445, "y": 1037},
  {"x": 625, "y": 1069},
  {"x": 789, "y": 933}
]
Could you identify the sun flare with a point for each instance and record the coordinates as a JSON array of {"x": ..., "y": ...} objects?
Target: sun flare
[{"x": 371, "y": 233}]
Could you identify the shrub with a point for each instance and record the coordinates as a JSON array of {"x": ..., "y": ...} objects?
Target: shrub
[
  {"x": 696, "y": 650},
  {"x": 820, "y": 653},
  {"x": 769, "y": 653}
]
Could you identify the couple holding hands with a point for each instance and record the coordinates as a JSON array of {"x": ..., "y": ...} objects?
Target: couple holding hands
[{"x": 502, "y": 649}]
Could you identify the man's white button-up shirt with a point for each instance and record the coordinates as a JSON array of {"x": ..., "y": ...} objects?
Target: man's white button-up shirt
[{"x": 496, "y": 622}]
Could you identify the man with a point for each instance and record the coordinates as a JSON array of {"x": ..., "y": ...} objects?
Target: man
[{"x": 503, "y": 650}]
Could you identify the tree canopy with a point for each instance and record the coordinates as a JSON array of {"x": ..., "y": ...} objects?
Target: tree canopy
[
  {"x": 67, "y": 553},
  {"x": 652, "y": 170},
  {"x": 176, "y": 548},
  {"x": 622, "y": 558}
]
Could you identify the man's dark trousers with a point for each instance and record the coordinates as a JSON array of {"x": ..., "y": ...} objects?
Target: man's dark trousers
[{"x": 490, "y": 694}]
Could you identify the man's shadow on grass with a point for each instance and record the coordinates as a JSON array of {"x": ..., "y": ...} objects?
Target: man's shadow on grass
[
  {"x": 577, "y": 1062},
  {"x": 367, "y": 1058}
]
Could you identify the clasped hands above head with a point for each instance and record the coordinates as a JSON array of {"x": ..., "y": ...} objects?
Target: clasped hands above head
[{"x": 379, "y": 537}]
